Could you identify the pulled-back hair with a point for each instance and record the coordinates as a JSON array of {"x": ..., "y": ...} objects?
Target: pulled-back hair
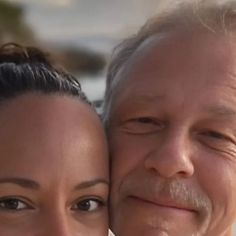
[
  {"x": 28, "y": 69},
  {"x": 188, "y": 17}
]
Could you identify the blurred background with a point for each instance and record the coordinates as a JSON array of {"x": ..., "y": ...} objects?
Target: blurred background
[{"x": 79, "y": 33}]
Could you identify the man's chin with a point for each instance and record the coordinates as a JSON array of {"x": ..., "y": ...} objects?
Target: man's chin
[
  {"x": 142, "y": 218},
  {"x": 148, "y": 223},
  {"x": 150, "y": 231}
]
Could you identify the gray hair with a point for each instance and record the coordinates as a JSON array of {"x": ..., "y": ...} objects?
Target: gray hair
[{"x": 187, "y": 17}]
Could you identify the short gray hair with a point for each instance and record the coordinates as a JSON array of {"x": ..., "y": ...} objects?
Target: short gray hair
[{"x": 187, "y": 17}]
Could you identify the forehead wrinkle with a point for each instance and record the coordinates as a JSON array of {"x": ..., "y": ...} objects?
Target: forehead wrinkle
[
  {"x": 144, "y": 97},
  {"x": 137, "y": 100}
]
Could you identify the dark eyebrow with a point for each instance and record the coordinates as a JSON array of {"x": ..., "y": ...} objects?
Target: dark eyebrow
[
  {"x": 22, "y": 182},
  {"x": 91, "y": 183}
]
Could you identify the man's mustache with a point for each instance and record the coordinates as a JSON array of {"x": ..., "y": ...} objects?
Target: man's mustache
[{"x": 177, "y": 191}]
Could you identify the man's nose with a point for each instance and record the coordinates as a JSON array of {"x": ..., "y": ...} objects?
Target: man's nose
[{"x": 171, "y": 157}]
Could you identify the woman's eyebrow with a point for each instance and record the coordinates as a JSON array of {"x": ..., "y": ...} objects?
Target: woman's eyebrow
[
  {"x": 31, "y": 184},
  {"x": 22, "y": 182},
  {"x": 91, "y": 183}
]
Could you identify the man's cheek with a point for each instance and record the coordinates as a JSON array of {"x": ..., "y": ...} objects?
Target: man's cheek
[{"x": 127, "y": 154}]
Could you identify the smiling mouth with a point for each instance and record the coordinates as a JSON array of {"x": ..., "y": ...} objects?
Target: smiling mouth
[{"x": 170, "y": 206}]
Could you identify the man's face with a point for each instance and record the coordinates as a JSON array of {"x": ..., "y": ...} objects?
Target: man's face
[{"x": 172, "y": 133}]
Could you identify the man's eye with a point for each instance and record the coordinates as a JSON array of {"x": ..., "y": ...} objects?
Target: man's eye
[
  {"x": 145, "y": 120},
  {"x": 88, "y": 205},
  {"x": 216, "y": 135},
  {"x": 13, "y": 204},
  {"x": 143, "y": 125}
]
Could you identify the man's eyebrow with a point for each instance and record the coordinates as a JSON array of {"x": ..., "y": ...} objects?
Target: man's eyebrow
[
  {"x": 222, "y": 110},
  {"x": 141, "y": 99},
  {"x": 147, "y": 97},
  {"x": 22, "y": 182},
  {"x": 91, "y": 183}
]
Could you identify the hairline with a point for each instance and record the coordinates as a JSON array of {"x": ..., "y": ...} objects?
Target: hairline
[
  {"x": 124, "y": 61},
  {"x": 123, "y": 72}
]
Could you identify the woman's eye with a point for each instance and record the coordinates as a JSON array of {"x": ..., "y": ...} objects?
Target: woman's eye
[
  {"x": 13, "y": 204},
  {"x": 88, "y": 205}
]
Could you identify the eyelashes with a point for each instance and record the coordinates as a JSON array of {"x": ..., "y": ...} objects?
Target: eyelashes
[
  {"x": 88, "y": 205},
  {"x": 143, "y": 125},
  {"x": 15, "y": 204},
  {"x": 216, "y": 135}
]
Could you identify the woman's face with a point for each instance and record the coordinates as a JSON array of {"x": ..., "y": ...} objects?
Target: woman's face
[{"x": 53, "y": 168}]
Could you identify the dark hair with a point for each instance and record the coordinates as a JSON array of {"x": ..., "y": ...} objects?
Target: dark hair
[{"x": 28, "y": 69}]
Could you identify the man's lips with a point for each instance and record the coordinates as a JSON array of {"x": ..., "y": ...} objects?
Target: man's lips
[{"x": 165, "y": 204}]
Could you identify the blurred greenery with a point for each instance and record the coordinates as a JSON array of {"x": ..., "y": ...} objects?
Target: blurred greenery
[
  {"x": 12, "y": 24},
  {"x": 14, "y": 28},
  {"x": 83, "y": 61}
]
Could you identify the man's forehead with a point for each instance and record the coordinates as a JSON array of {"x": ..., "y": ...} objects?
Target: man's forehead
[
  {"x": 150, "y": 73},
  {"x": 157, "y": 48},
  {"x": 142, "y": 50}
]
